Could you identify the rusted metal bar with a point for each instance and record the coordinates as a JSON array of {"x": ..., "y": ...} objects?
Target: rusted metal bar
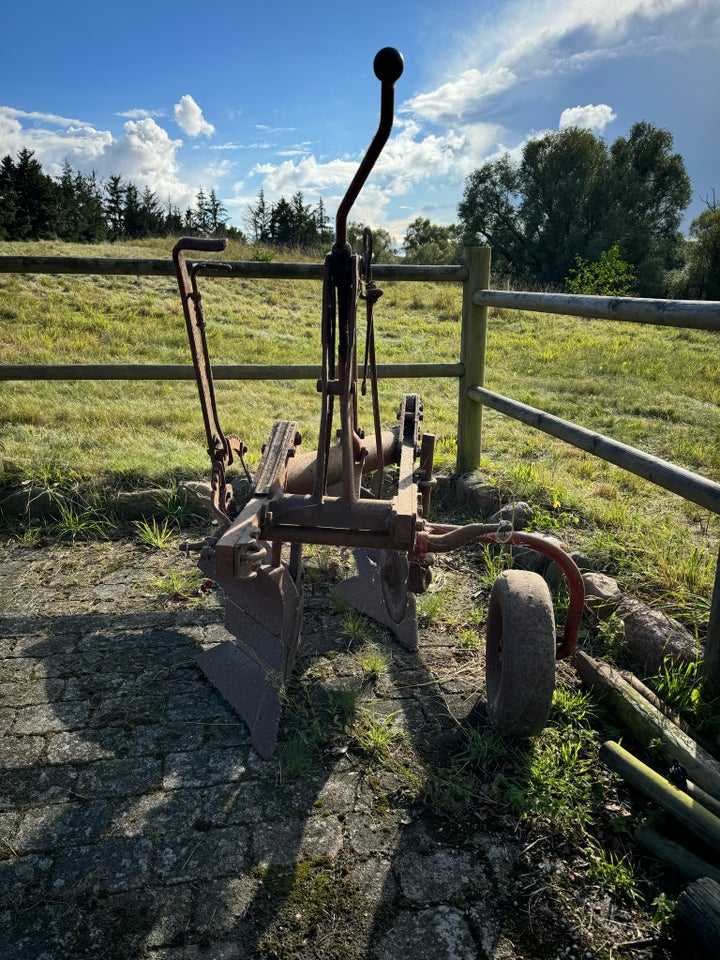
[
  {"x": 440, "y": 538},
  {"x": 388, "y": 67}
]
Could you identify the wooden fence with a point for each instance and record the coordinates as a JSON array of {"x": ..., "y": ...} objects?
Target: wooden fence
[{"x": 474, "y": 274}]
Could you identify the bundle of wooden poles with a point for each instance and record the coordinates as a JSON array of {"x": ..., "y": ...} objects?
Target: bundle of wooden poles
[{"x": 690, "y": 793}]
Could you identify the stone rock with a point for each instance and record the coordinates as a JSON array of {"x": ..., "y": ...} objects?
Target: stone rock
[
  {"x": 31, "y": 503},
  {"x": 525, "y": 558},
  {"x": 200, "y": 491},
  {"x": 602, "y": 594},
  {"x": 520, "y": 514},
  {"x": 483, "y": 498},
  {"x": 135, "y": 504},
  {"x": 650, "y": 635},
  {"x": 554, "y": 575}
]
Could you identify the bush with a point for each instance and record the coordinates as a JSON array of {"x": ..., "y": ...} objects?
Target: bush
[{"x": 608, "y": 276}]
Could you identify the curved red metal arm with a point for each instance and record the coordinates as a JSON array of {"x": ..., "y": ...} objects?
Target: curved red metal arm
[{"x": 440, "y": 538}]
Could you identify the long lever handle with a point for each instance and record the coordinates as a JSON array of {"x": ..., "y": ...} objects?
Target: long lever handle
[{"x": 388, "y": 66}]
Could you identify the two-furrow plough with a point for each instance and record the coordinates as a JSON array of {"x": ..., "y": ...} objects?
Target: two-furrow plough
[{"x": 255, "y": 551}]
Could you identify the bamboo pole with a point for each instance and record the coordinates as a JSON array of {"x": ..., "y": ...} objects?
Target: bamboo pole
[
  {"x": 711, "y": 656},
  {"x": 675, "y": 854},
  {"x": 647, "y": 723},
  {"x": 698, "y": 907},
  {"x": 473, "y": 341},
  {"x": 687, "y": 811}
]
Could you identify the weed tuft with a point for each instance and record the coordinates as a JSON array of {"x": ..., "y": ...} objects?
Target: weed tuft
[{"x": 152, "y": 534}]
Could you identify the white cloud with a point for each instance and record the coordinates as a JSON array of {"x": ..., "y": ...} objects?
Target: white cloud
[
  {"x": 594, "y": 116},
  {"x": 456, "y": 98},
  {"x": 146, "y": 156},
  {"x": 52, "y": 139},
  {"x": 538, "y": 38},
  {"x": 409, "y": 158},
  {"x": 138, "y": 113},
  {"x": 189, "y": 117}
]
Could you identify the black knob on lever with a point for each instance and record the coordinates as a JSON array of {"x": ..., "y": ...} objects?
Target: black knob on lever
[{"x": 388, "y": 65}]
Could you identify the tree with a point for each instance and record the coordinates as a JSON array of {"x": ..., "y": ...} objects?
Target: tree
[
  {"x": 115, "y": 207},
  {"x": 173, "y": 223},
  {"x": 282, "y": 219},
  {"x": 704, "y": 254},
  {"x": 89, "y": 223},
  {"x": 27, "y": 199},
  {"x": 133, "y": 219},
  {"x": 559, "y": 176},
  {"x": 322, "y": 223},
  {"x": 383, "y": 245},
  {"x": 304, "y": 228},
  {"x": 489, "y": 214},
  {"x": 427, "y": 242},
  {"x": 217, "y": 214},
  {"x": 649, "y": 189},
  {"x": 257, "y": 220},
  {"x": 569, "y": 195}
]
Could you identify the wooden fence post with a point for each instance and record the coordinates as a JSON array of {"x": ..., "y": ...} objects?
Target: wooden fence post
[
  {"x": 473, "y": 340},
  {"x": 711, "y": 658}
]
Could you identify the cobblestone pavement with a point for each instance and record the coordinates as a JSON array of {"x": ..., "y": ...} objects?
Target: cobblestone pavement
[{"x": 137, "y": 822}]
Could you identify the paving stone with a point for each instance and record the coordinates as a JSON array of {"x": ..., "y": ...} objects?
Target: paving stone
[
  {"x": 22, "y": 881},
  {"x": 233, "y": 804},
  {"x": 160, "y": 739},
  {"x": 108, "y": 867},
  {"x": 161, "y": 814},
  {"x": 374, "y": 879},
  {"x": 207, "y": 855},
  {"x": 223, "y": 905},
  {"x": 122, "y": 777},
  {"x": 437, "y": 876},
  {"x": 76, "y": 746},
  {"x": 30, "y": 692},
  {"x": 202, "y": 770},
  {"x": 49, "y": 718},
  {"x": 19, "y": 670},
  {"x": 436, "y": 933},
  {"x": 161, "y": 917},
  {"x": 20, "y": 787},
  {"x": 44, "y": 828},
  {"x": 17, "y": 752}
]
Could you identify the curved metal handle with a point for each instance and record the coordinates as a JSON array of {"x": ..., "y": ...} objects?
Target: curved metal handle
[
  {"x": 204, "y": 244},
  {"x": 388, "y": 66}
]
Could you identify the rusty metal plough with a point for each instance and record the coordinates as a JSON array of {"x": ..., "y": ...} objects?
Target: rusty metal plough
[{"x": 255, "y": 552}]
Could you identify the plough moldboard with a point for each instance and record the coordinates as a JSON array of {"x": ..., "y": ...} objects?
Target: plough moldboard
[{"x": 255, "y": 551}]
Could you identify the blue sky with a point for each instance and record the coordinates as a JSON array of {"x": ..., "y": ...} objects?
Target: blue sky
[{"x": 281, "y": 96}]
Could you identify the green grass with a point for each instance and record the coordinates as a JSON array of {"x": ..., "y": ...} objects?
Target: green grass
[
  {"x": 150, "y": 533},
  {"x": 655, "y": 388}
]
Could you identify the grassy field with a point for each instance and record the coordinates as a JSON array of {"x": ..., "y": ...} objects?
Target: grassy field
[{"x": 655, "y": 388}]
